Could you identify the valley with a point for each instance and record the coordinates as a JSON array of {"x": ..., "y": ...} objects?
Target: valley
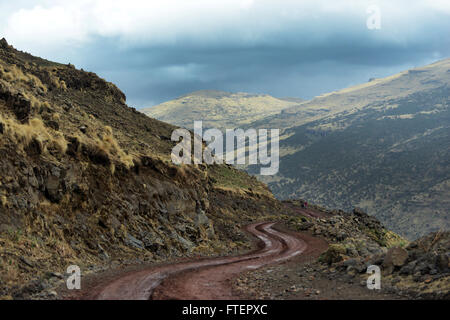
[{"x": 382, "y": 146}]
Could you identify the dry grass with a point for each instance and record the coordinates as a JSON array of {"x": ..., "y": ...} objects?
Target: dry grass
[
  {"x": 24, "y": 134},
  {"x": 4, "y": 200},
  {"x": 105, "y": 141},
  {"x": 110, "y": 145},
  {"x": 35, "y": 103},
  {"x": 56, "y": 81},
  {"x": 15, "y": 74},
  {"x": 438, "y": 236},
  {"x": 56, "y": 116}
]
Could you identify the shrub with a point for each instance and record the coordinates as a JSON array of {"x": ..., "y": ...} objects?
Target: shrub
[
  {"x": 15, "y": 73},
  {"x": 110, "y": 146}
]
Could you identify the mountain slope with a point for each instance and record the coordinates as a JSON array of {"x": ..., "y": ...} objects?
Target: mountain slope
[
  {"x": 383, "y": 146},
  {"x": 86, "y": 180},
  {"x": 218, "y": 109},
  {"x": 352, "y": 99}
]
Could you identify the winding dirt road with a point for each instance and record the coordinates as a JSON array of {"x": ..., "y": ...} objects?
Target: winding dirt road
[{"x": 204, "y": 279}]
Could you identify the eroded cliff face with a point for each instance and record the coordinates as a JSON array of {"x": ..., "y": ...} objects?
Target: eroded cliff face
[{"x": 86, "y": 180}]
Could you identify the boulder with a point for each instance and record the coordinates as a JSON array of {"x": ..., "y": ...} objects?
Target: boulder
[
  {"x": 334, "y": 254},
  {"x": 396, "y": 257}
]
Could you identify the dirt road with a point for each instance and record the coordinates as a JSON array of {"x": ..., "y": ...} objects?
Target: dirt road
[{"x": 203, "y": 279}]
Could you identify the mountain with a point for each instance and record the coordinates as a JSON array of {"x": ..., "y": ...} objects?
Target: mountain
[
  {"x": 352, "y": 99},
  {"x": 383, "y": 146},
  {"x": 219, "y": 109},
  {"x": 87, "y": 180}
]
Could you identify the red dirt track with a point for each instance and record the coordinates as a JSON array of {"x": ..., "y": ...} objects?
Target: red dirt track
[{"x": 207, "y": 279}]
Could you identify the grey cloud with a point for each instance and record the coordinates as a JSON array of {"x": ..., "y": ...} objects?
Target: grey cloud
[{"x": 316, "y": 55}]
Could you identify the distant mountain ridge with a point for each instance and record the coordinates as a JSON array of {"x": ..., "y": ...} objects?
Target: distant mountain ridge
[{"x": 218, "y": 109}]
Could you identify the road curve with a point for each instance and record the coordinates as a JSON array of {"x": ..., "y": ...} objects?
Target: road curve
[{"x": 204, "y": 279}]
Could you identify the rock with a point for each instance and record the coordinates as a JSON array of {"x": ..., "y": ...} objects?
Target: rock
[
  {"x": 188, "y": 245},
  {"x": 133, "y": 242},
  {"x": 153, "y": 242},
  {"x": 396, "y": 257},
  {"x": 201, "y": 219},
  {"x": 52, "y": 124},
  {"x": 350, "y": 262},
  {"x": 210, "y": 232},
  {"x": 408, "y": 269},
  {"x": 359, "y": 212},
  {"x": 56, "y": 171},
  {"x": 205, "y": 204},
  {"x": 376, "y": 260},
  {"x": 4, "y": 44},
  {"x": 341, "y": 236},
  {"x": 354, "y": 266},
  {"x": 363, "y": 252},
  {"x": 52, "y": 189},
  {"x": 305, "y": 226},
  {"x": 83, "y": 129},
  {"x": 422, "y": 268},
  {"x": 96, "y": 154},
  {"x": 103, "y": 252},
  {"x": 2, "y": 127},
  {"x": 334, "y": 254},
  {"x": 442, "y": 263},
  {"x": 57, "y": 275},
  {"x": 26, "y": 261},
  {"x": 52, "y": 294},
  {"x": 35, "y": 147}
]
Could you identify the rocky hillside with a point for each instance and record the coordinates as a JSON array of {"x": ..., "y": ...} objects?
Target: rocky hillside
[
  {"x": 86, "y": 180},
  {"x": 218, "y": 109},
  {"x": 409, "y": 270},
  {"x": 383, "y": 146}
]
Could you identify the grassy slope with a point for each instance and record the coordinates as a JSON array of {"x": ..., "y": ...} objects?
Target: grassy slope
[{"x": 218, "y": 109}]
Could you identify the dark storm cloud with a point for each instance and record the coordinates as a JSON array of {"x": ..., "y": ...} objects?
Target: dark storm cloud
[
  {"x": 151, "y": 75},
  {"x": 317, "y": 50}
]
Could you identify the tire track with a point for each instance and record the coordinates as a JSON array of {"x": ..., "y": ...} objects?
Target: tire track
[{"x": 206, "y": 279}]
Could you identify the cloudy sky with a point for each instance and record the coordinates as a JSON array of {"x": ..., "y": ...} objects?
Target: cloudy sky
[{"x": 158, "y": 50}]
